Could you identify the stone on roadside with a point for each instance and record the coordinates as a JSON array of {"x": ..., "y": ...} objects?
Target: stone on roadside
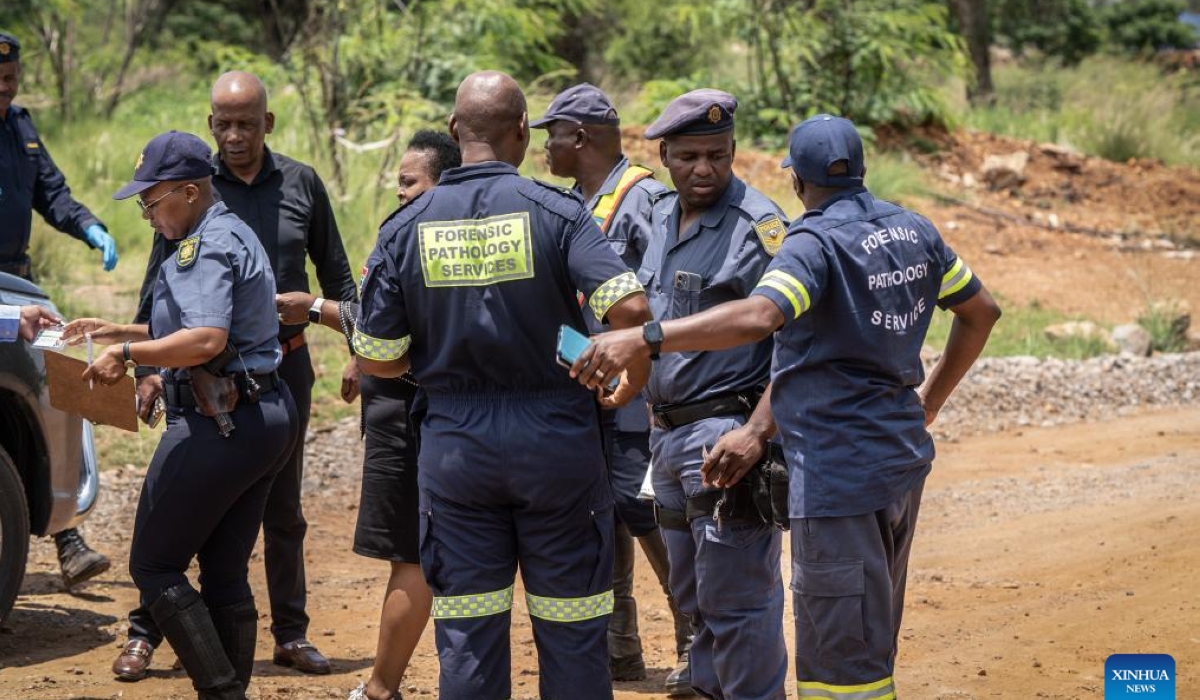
[
  {"x": 1078, "y": 330},
  {"x": 1173, "y": 316},
  {"x": 1132, "y": 339},
  {"x": 1005, "y": 172}
]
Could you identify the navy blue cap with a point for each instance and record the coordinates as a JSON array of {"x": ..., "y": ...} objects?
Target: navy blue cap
[
  {"x": 10, "y": 48},
  {"x": 175, "y": 155},
  {"x": 699, "y": 112},
  {"x": 583, "y": 103},
  {"x": 819, "y": 142}
]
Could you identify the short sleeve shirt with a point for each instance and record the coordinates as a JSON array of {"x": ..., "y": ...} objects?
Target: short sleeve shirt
[
  {"x": 686, "y": 272},
  {"x": 857, "y": 282},
  {"x": 474, "y": 278},
  {"x": 219, "y": 277}
]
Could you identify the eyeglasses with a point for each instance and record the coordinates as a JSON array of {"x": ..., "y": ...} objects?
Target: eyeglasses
[{"x": 148, "y": 208}]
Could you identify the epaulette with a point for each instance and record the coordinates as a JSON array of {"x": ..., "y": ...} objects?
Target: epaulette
[
  {"x": 402, "y": 215},
  {"x": 559, "y": 200}
]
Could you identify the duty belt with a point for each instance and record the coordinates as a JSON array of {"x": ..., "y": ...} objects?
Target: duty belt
[
  {"x": 179, "y": 393},
  {"x": 669, "y": 416},
  {"x": 20, "y": 268}
]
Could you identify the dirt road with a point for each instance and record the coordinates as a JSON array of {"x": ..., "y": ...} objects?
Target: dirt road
[{"x": 1041, "y": 551}]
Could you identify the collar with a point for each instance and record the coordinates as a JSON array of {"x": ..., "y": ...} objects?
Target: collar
[
  {"x": 844, "y": 194},
  {"x": 218, "y": 208},
  {"x": 472, "y": 170},
  {"x": 734, "y": 191},
  {"x": 610, "y": 182},
  {"x": 268, "y": 168}
]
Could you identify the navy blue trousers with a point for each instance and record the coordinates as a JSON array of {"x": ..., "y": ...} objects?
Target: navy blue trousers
[{"x": 204, "y": 497}]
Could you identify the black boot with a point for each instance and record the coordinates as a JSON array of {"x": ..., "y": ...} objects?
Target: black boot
[
  {"x": 187, "y": 625},
  {"x": 79, "y": 562},
  {"x": 237, "y": 627},
  {"x": 679, "y": 681},
  {"x": 625, "y": 660}
]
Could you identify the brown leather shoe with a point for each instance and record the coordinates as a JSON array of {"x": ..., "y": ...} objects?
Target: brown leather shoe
[
  {"x": 134, "y": 661},
  {"x": 302, "y": 656}
]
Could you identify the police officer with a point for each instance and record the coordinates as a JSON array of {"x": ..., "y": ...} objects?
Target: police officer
[
  {"x": 206, "y": 488},
  {"x": 711, "y": 242},
  {"x": 584, "y": 143},
  {"x": 851, "y": 294},
  {"x": 388, "y": 509},
  {"x": 285, "y": 203},
  {"x": 30, "y": 180},
  {"x": 470, "y": 283}
]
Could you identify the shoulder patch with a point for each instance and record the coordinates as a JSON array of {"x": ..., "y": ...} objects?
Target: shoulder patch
[
  {"x": 189, "y": 250},
  {"x": 771, "y": 233}
]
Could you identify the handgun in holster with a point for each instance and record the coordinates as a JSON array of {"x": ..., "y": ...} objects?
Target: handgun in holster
[{"x": 224, "y": 385}]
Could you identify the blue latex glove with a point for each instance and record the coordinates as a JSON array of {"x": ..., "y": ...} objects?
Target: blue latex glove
[{"x": 99, "y": 238}]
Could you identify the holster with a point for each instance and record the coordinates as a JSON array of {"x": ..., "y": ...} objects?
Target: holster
[
  {"x": 216, "y": 395},
  {"x": 760, "y": 496}
]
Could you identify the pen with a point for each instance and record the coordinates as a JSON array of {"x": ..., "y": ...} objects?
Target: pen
[{"x": 88, "y": 336}]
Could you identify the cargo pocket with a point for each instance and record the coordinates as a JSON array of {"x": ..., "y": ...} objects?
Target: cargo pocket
[
  {"x": 430, "y": 562},
  {"x": 829, "y": 600},
  {"x": 602, "y": 527},
  {"x": 737, "y": 565}
]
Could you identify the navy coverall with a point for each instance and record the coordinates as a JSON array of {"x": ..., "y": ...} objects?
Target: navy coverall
[{"x": 472, "y": 280}]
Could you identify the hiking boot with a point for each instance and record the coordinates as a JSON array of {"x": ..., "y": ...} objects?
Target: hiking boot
[
  {"x": 679, "y": 681},
  {"x": 627, "y": 668},
  {"x": 79, "y": 562}
]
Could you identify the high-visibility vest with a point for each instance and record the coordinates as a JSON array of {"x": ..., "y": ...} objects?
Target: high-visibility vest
[{"x": 607, "y": 205}]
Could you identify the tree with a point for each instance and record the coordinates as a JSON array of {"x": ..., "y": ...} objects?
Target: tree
[{"x": 974, "y": 24}]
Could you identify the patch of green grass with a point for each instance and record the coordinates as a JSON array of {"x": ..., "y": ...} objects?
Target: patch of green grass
[
  {"x": 1021, "y": 332},
  {"x": 895, "y": 177},
  {"x": 1115, "y": 108}
]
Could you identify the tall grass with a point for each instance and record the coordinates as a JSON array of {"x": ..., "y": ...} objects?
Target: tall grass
[{"x": 1109, "y": 107}]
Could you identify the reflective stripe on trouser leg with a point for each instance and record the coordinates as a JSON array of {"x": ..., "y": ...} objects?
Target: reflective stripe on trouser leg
[
  {"x": 566, "y": 559},
  {"x": 472, "y": 605},
  {"x": 848, "y": 584},
  {"x": 469, "y": 559},
  {"x": 879, "y": 690}
]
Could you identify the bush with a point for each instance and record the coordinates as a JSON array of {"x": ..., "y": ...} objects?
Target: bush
[{"x": 1148, "y": 25}]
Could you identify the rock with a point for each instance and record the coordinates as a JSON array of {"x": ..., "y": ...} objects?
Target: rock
[
  {"x": 1005, "y": 172},
  {"x": 1064, "y": 158},
  {"x": 1085, "y": 330},
  {"x": 1132, "y": 339}
]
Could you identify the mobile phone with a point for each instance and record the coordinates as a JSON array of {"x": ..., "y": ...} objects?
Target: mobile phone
[{"x": 571, "y": 344}]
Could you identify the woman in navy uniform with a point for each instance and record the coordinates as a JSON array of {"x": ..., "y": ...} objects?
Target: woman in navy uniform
[
  {"x": 207, "y": 485},
  {"x": 388, "y": 510}
]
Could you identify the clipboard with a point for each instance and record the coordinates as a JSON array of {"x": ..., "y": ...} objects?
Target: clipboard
[{"x": 103, "y": 405}]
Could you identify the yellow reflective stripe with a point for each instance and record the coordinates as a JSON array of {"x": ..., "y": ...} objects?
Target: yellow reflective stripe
[
  {"x": 884, "y": 689},
  {"x": 474, "y": 605},
  {"x": 954, "y": 280},
  {"x": 606, "y": 205},
  {"x": 379, "y": 349},
  {"x": 570, "y": 609},
  {"x": 789, "y": 287},
  {"x": 613, "y": 291}
]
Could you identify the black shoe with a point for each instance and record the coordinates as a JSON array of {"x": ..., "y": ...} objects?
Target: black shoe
[
  {"x": 187, "y": 625},
  {"x": 79, "y": 562},
  {"x": 679, "y": 681},
  {"x": 627, "y": 668}
]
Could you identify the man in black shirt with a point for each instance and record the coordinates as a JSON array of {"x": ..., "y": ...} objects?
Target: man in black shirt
[{"x": 286, "y": 205}]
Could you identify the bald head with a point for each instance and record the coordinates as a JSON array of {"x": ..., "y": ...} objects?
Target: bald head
[
  {"x": 489, "y": 110},
  {"x": 240, "y": 122},
  {"x": 239, "y": 88}
]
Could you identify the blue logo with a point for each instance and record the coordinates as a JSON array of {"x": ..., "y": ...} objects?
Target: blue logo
[{"x": 1128, "y": 676}]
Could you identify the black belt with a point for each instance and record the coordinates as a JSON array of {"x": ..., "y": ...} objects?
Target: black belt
[
  {"x": 179, "y": 393},
  {"x": 20, "y": 268},
  {"x": 738, "y": 506},
  {"x": 668, "y": 416}
]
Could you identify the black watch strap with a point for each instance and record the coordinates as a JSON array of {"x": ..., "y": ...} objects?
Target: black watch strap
[{"x": 653, "y": 335}]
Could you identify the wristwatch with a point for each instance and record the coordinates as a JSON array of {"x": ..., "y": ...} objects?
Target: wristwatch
[
  {"x": 127, "y": 356},
  {"x": 653, "y": 335},
  {"x": 314, "y": 311}
]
